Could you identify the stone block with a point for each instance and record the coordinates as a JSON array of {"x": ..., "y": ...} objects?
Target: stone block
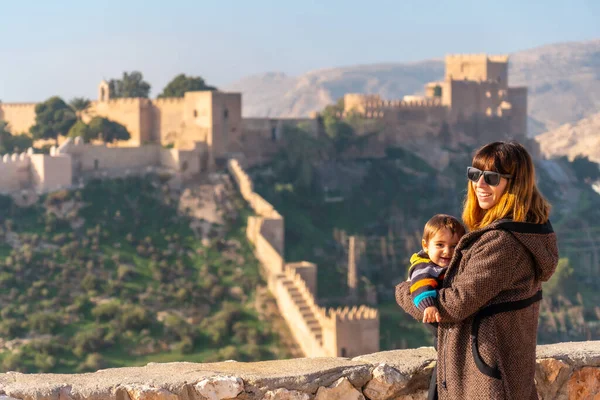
[
  {"x": 284, "y": 394},
  {"x": 584, "y": 384},
  {"x": 341, "y": 389},
  {"x": 220, "y": 387},
  {"x": 387, "y": 383}
]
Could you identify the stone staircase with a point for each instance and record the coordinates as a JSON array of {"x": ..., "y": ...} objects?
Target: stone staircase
[{"x": 308, "y": 315}]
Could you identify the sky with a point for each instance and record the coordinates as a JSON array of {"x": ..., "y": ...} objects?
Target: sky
[{"x": 67, "y": 47}]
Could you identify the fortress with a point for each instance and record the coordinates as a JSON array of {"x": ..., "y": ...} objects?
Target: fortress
[
  {"x": 205, "y": 130},
  {"x": 473, "y": 104}
]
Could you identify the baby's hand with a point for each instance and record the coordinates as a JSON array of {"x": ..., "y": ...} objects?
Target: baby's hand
[{"x": 431, "y": 315}]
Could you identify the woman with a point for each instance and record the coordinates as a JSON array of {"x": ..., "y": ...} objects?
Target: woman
[{"x": 489, "y": 300}]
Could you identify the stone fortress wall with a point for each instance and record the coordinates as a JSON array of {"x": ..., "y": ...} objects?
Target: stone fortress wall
[
  {"x": 211, "y": 117},
  {"x": 75, "y": 161},
  {"x": 474, "y": 86},
  {"x": 320, "y": 332},
  {"x": 20, "y": 116},
  {"x": 564, "y": 371}
]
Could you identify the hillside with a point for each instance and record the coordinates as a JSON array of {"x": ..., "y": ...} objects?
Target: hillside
[
  {"x": 563, "y": 81},
  {"x": 127, "y": 271},
  {"x": 571, "y": 140},
  {"x": 385, "y": 204}
]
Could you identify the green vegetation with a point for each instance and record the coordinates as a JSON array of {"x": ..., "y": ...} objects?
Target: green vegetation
[
  {"x": 53, "y": 117},
  {"x": 130, "y": 85},
  {"x": 112, "y": 275},
  {"x": 182, "y": 83},
  {"x": 99, "y": 128},
  {"x": 387, "y": 208},
  {"x": 79, "y": 105}
]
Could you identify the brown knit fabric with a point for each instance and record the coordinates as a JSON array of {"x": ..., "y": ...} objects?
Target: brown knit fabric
[{"x": 503, "y": 262}]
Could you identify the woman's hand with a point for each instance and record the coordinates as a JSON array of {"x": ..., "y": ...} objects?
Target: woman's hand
[{"x": 431, "y": 315}]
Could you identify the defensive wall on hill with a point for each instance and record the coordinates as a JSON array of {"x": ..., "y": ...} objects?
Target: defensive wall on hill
[
  {"x": 75, "y": 161},
  {"x": 564, "y": 371},
  {"x": 320, "y": 332}
]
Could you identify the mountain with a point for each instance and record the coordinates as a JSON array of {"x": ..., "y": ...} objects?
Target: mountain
[
  {"x": 571, "y": 140},
  {"x": 563, "y": 81}
]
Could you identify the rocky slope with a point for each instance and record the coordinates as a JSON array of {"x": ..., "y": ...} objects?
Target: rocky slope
[
  {"x": 571, "y": 140},
  {"x": 563, "y": 81}
]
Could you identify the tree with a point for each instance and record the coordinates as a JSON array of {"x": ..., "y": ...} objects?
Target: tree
[
  {"x": 181, "y": 84},
  {"x": 79, "y": 105},
  {"x": 131, "y": 85},
  {"x": 107, "y": 130},
  {"x": 53, "y": 117},
  {"x": 82, "y": 129}
]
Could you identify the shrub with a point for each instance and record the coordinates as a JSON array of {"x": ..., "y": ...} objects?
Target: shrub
[
  {"x": 106, "y": 311},
  {"x": 135, "y": 317},
  {"x": 88, "y": 341},
  {"x": 43, "y": 322},
  {"x": 58, "y": 197}
]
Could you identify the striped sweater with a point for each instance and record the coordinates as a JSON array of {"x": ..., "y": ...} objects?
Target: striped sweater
[{"x": 425, "y": 278}]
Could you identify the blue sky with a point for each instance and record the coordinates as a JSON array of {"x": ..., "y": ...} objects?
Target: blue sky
[{"x": 66, "y": 47}]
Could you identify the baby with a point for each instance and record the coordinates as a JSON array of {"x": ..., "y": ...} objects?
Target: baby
[{"x": 427, "y": 267}]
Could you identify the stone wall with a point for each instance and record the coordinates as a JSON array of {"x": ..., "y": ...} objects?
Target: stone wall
[
  {"x": 319, "y": 332},
  {"x": 29, "y": 171},
  {"x": 133, "y": 113},
  {"x": 564, "y": 371},
  {"x": 167, "y": 120},
  {"x": 74, "y": 160},
  {"x": 51, "y": 172},
  {"x": 14, "y": 172},
  {"x": 19, "y": 116},
  {"x": 87, "y": 158}
]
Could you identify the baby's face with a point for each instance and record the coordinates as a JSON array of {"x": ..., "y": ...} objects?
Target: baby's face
[{"x": 440, "y": 247}]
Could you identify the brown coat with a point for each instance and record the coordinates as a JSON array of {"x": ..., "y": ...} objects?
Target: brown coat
[{"x": 505, "y": 261}]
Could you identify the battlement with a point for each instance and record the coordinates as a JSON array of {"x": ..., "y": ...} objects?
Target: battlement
[
  {"x": 16, "y": 157},
  {"x": 476, "y": 57},
  {"x": 403, "y": 104},
  {"x": 354, "y": 313},
  {"x": 169, "y": 101},
  {"x": 123, "y": 101},
  {"x": 372, "y": 106},
  {"x": 17, "y": 105}
]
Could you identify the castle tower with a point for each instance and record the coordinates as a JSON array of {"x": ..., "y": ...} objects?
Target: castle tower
[
  {"x": 351, "y": 331},
  {"x": 478, "y": 68},
  {"x": 356, "y": 248},
  {"x": 103, "y": 91}
]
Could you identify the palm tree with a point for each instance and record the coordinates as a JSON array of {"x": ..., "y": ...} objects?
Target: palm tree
[{"x": 80, "y": 105}]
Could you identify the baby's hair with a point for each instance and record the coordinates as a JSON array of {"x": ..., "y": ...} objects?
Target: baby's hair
[{"x": 442, "y": 221}]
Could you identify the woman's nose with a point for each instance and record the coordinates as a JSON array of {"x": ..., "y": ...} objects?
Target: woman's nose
[{"x": 481, "y": 182}]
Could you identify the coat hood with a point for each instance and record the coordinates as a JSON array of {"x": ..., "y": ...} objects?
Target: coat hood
[{"x": 539, "y": 239}]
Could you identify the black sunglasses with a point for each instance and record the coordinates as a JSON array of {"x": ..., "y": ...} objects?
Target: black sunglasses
[{"x": 491, "y": 178}]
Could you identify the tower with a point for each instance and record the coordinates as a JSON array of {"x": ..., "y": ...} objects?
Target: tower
[{"x": 103, "y": 91}]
